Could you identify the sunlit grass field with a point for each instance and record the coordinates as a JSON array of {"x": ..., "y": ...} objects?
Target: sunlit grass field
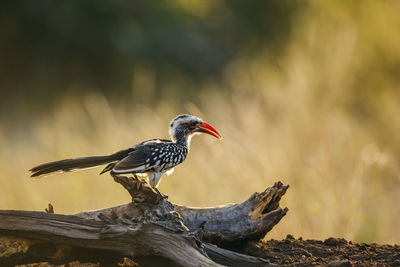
[{"x": 291, "y": 122}]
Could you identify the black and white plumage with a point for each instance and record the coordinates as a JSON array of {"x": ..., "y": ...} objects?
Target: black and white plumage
[{"x": 152, "y": 158}]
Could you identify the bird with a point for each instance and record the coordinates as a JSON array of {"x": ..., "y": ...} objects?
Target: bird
[{"x": 151, "y": 158}]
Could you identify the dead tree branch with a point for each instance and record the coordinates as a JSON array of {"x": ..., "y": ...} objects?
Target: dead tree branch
[{"x": 152, "y": 226}]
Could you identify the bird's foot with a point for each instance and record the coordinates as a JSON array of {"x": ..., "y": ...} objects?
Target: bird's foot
[
  {"x": 163, "y": 196},
  {"x": 140, "y": 182}
]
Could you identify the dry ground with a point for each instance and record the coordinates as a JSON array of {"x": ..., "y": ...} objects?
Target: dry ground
[{"x": 330, "y": 252}]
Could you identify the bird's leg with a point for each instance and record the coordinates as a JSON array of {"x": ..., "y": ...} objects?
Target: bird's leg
[
  {"x": 154, "y": 180},
  {"x": 163, "y": 196},
  {"x": 143, "y": 180}
]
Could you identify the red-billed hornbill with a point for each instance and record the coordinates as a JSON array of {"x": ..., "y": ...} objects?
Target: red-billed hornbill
[{"x": 152, "y": 158}]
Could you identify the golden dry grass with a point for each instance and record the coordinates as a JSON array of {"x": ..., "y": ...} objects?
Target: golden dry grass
[{"x": 290, "y": 122}]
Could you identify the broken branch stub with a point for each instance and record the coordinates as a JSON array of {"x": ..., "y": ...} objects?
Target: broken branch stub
[{"x": 234, "y": 223}]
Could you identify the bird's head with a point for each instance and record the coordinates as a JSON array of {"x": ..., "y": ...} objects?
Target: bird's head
[{"x": 185, "y": 126}]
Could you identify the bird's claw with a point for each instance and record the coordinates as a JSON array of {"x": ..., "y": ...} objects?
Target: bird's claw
[
  {"x": 140, "y": 182},
  {"x": 163, "y": 196}
]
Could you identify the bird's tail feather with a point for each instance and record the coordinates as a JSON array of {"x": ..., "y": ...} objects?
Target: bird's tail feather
[{"x": 68, "y": 165}]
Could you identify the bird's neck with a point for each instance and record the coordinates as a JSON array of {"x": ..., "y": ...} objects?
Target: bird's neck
[{"x": 182, "y": 139}]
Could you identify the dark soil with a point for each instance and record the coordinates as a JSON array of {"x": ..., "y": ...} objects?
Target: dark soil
[{"x": 331, "y": 252}]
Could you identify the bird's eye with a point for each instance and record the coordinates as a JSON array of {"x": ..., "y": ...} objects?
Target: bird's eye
[{"x": 193, "y": 123}]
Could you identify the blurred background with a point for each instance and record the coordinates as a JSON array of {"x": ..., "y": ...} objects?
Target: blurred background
[{"x": 305, "y": 92}]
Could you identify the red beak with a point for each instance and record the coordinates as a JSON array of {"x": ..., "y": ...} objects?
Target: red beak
[{"x": 208, "y": 129}]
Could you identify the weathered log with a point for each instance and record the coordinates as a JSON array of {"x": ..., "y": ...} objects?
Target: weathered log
[
  {"x": 131, "y": 240},
  {"x": 225, "y": 225},
  {"x": 152, "y": 226}
]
